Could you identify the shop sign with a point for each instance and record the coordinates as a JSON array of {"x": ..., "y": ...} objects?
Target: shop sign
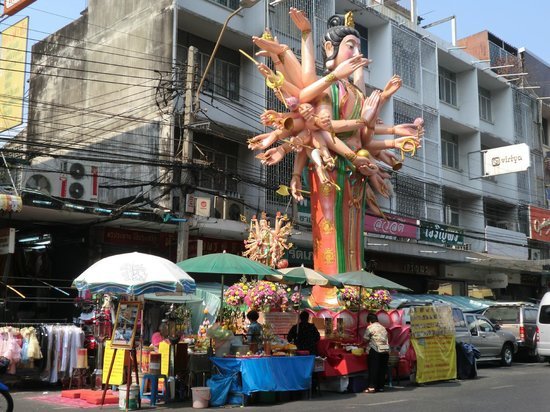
[
  {"x": 130, "y": 237},
  {"x": 496, "y": 280},
  {"x": 13, "y": 6},
  {"x": 539, "y": 224},
  {"x": 441, "y": 234},
  {"x": 7, "y": 240},
  {"x": 304, "y": 212},
  {"x": 298, "y": 256},
  {"x": 211, "y": 245},
  {"x": 531, "y": 280},
  {"x": 507, "y": 159},
  {"x": 393, "y": 225}
]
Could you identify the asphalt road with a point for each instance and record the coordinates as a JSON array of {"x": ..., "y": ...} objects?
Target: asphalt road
[{"x": 524, "y": 386}]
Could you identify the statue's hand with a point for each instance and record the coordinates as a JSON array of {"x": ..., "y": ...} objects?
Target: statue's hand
[
  {"x": 300, "y": 19},
  {"x": 347, "y": 67},
  {"x": 296, "y": 188}
]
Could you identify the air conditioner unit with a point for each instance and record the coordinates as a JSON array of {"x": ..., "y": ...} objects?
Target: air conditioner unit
[
  {"x": 65, "y": 179},
  {"x": 229, "y": 209},
  {"x": 80, "y": 181}
]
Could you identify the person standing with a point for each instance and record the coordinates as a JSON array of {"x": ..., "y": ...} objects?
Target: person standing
[
  {"x": 376, "y": 336},
  {"x": 254, "y": 331},
  {"x": 304, "y": 335}
]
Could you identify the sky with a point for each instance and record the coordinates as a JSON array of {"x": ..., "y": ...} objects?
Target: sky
[{"x": 519, "y": 23}]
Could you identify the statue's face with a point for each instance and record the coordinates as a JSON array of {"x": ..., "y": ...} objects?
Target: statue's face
[{"x": 349, "y": 47}]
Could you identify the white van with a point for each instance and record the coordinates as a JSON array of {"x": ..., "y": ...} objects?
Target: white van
[{"x": 543, "y": 324}]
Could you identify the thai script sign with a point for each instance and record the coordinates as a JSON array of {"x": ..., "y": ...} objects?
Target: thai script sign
[
  {"x": 441, "y": 234},
  {"x": 13, "y": 6},
  {"x": 393, "y": 225},
  {"x": 539, "y": 224},
  {"x": 507, "y": 159}
]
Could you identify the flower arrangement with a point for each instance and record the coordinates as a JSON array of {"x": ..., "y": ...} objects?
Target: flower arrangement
[
  {"x": 296, "y": 298},
  {"x": 235, "y": 294},
  {"x": 283, "y": 296},
  {"x": 375, "y": 299},
  {"x": 349, "y": 296},
  {"x": 263, "y": 295}
]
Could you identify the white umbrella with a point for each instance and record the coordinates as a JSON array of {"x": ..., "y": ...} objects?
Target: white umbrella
[{"x": 134, "y": 274}]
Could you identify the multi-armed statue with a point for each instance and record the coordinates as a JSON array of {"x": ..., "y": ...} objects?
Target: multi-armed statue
[{"x": 331, "y": 125}]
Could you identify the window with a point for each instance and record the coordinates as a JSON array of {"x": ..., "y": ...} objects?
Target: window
[
  {"x": 484, "y": 326},
  {"x": 485, "y": 105},
  {"x": 220, "y": 156},
  {"x": 449, "y": 149},
  {"x": 222, "y": 77},
  {"x": 544, "y": 316},
  {"x": 452, "y": 215},
  {"x": 447, "y": 86},
  {"x": 232, "y": 4}
]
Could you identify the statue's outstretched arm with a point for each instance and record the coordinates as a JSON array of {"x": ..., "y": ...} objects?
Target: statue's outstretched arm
[{"x": 308, "y": 51}]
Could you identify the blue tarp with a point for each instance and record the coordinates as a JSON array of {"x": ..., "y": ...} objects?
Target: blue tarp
[
  {"x": 465, "y": 303},
  {"x": 269, "y": 374}
]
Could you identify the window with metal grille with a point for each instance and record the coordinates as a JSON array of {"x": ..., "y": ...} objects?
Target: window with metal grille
[
  {"x": 447, "y": 86},
  {"x": 220, "y": 163},
  {"x": 485, "y": 112},
  {"x": 449, "y": 149},
  {"x": 406, "y": 57},
  {"x": 222, "y": 77}
]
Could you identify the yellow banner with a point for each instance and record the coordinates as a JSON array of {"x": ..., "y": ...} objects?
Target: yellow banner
[
  {"x": 164, "y": 350},
  {"x": 13, "y": 56},
  {"x": 117, "y": 374},
  {"x": 435, "y": 358}
]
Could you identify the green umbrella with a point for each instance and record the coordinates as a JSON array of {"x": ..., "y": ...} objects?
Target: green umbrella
[
  {"x": 302, "y": 275},
  {"x": 369, "y": 280},
  {"x": 225, "y": 264}
]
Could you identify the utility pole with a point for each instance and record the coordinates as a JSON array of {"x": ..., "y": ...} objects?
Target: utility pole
[{"x": 186, "y": 150}]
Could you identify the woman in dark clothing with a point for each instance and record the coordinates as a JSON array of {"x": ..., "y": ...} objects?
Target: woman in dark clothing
[{"x": 304, "y": 335}]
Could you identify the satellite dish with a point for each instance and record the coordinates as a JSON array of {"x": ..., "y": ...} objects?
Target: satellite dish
[
  {"x": 40, "y": 183},
  {"x": 76, "y": 190},
  {"x": 77, "y": 171}
]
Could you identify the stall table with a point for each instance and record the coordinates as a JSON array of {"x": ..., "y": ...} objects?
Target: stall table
[
  {"x": 269, "y": 373},
  {"x": 338, "y": 362}
]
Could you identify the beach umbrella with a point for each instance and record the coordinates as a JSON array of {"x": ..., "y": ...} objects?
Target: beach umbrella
[{"x": 134, "y": 274}]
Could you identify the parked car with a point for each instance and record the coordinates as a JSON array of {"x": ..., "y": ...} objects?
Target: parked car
[
  {"x": 543, "y": 323},
  {"x": 518, "y": 318},
  {"x": 492, "y": 342}
]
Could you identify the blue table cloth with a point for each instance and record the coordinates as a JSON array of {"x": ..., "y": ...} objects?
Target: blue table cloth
[{"x": 269, "y": 374}]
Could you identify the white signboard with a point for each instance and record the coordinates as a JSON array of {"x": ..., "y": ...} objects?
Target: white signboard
[
  {"x": 496, "y": 280},
  {"x": 7, "y": 240},
  {"x": 202, "y": 205},
  {"x": 507, "y": 159}
]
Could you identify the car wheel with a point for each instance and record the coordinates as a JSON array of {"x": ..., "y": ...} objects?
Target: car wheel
[{"x": 506, "y": 355}]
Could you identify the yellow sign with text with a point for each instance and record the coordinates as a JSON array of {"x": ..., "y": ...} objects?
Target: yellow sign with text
[
  {"x": 117, "y": 374},
  {"x": 435, "y": 358},
  {"x": 13, "y": 56},
  {"x": 164, "y": 350}
]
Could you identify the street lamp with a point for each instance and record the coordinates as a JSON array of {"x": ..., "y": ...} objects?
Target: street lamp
[{"x": 243, "y": 4}]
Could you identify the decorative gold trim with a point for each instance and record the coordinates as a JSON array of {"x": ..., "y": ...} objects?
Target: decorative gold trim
[
  {"x": 326, "y": 189},
  {"x": 327, "y": 227},
  {"x": 351, "y": 156},
  {"x": 329, "y": 257},
  {"x": 305, "y": 33},
  {"x": 266, "y": 35},
  {"x": 330, "y": 78},
  {"x": 348, "y": 19}
]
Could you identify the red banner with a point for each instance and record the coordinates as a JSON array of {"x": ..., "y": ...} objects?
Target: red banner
[
  {"x": 394, "y": 226},
  {"x": 539, "y": 224}
]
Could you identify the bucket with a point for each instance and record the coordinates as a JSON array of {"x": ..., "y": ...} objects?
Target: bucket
[
  {"x": 201, "y": 396},
  {"x": 132, "y": 399},
  {"x": 154, "y": 363}
]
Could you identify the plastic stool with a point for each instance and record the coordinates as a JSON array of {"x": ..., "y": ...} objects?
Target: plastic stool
[{"x": 154, "y": 395}]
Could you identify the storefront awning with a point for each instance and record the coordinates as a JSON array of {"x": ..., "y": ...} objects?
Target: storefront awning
[{"x": 10, "y": 203}]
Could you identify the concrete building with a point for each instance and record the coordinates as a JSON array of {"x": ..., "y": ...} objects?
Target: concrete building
[{"x": 109, "y": 112}]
